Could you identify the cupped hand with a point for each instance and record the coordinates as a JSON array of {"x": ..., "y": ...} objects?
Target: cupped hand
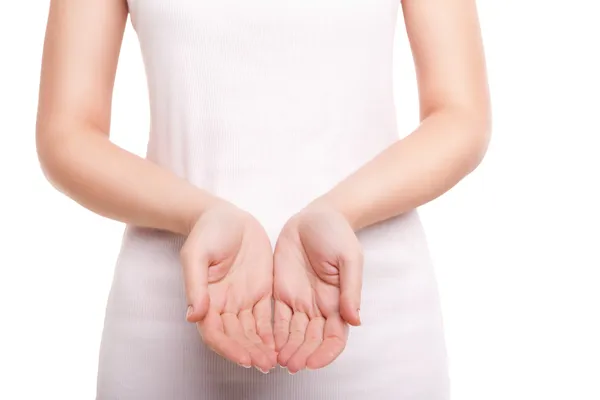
[
  {"x": 228, "y": 272},
  {"x": 317, "y": 288}
]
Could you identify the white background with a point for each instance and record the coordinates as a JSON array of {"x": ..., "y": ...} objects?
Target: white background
[{"x": 516, "y": 245}]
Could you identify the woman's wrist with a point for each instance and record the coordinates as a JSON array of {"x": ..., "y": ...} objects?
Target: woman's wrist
[
  {"x": 193, "y": 207},
  {"x": 340, "y": 205}
]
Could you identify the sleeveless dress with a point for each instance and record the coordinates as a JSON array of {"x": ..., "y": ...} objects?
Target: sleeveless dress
[{"x": 268, "y": 104}]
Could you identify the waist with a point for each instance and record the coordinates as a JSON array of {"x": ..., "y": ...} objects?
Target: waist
[{"x": 271, "y": 193}]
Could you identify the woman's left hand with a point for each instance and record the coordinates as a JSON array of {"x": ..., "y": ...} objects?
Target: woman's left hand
[{"x": 317, "y": 287}]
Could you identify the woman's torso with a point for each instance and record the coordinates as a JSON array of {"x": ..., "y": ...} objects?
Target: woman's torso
[{"x": 268, "y": 104}]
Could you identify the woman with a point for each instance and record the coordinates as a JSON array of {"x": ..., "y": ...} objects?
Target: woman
[{"x": 276, "y": 200}]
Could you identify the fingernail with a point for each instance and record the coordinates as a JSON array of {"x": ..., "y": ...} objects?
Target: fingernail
[
  {"x": 263, "y": 371},
  {"x": 189, "y": 311},
  {"x": 292, "y": 373},
  {"x": 245, "y": 366}
]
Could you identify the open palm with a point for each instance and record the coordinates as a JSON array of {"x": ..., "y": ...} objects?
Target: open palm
[
  {"x": 228, "y": 271},
  {"x": 317, "y": 285}
]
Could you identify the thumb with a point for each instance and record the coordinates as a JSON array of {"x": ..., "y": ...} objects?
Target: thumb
[
  {"x": 195, "y": 276},
  {"x": 350, "y": 288}
]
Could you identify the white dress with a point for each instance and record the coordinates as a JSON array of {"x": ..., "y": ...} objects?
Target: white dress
[{"x": 269, "y": 103}]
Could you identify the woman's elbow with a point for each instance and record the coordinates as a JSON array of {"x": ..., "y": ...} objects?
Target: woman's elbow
[
  {"x": 478, "y": 131},
  {"x": 480, "y": 136},
  {"x": 52, "y": 148}
]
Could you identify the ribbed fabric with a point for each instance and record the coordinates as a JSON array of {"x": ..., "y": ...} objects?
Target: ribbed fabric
[{"x": 268, "y": 104}]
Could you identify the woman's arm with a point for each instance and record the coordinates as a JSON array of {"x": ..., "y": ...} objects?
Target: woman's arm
[
  {"x": 455, "y": 119},
  {"x": 81, "y": 50}
]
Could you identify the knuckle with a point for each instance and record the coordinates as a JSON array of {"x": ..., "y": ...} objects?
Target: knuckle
[
  {"x": 355, "y": 257},
  {"x": 264, "y": 327},
  {"x": 313, "y": 338}
]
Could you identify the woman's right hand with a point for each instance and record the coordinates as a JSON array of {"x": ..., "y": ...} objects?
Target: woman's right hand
[{"x": 228, "y": 271}]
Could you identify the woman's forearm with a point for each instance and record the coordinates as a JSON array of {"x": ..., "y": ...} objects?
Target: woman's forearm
[
  {"x": 446, "y": 147},
  {"x": 117, "y": 184},
  {"x": 81, "y": 50}
]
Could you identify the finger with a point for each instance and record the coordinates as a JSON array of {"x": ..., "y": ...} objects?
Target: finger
[
  {"x": 212, "y": 332},
  {"x": 263, "y": 315},
  {"x": 195, "y": 277},
  {"x": 312, "y": 340},
  {"x": 334, "y": 341},
  {"x": 350, "y": 288},
  {"x": 298, "y": 327},
  {"x": 249, "y": 325},
  {"x": 235, "y": 331},
  {"x": 283, "y": 316}
]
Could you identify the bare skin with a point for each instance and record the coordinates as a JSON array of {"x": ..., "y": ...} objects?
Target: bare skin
[
  {"x": 79, "y": 64},
  {"x": 315, "y": 278},
  {"x": 318, "y": 280},
  {"x": 318, "y": 277},
  {"x": 231, "y": 303}
]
